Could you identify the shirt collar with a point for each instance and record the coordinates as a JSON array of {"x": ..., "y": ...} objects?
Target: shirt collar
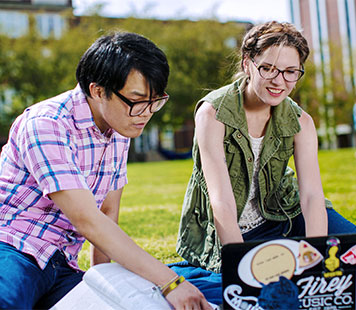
[
  {"x": 82, "y": 114},
  {"x": 83, "y": 117}
]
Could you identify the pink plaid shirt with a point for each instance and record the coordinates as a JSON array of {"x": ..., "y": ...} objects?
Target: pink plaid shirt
[{"x": 55, "y": 145}]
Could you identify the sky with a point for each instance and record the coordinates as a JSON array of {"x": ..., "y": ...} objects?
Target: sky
[{"x": 255, "y": 11}]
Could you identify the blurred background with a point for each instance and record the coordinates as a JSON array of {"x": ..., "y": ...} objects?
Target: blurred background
[{"x": 41, "y": 42}]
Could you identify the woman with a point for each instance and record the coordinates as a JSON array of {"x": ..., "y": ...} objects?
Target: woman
[{"x": 241, "y": 188}]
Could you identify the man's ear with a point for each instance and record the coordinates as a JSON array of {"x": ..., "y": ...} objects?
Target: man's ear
[{"x": 96, "y": 91}]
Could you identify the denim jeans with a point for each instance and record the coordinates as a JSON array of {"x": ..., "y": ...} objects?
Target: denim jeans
[
  {"x": 210, "y": 283},
  {"x": 337, "y": 224},
  {"x": 24, "y": 285}
]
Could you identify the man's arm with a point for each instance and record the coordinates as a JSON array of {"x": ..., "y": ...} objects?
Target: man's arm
[
  {"x": 110, "y": 208},
  {"x": 80, "y": 208}
]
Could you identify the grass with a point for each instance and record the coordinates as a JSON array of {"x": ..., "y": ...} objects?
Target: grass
[{"x": 151, "y": 203}]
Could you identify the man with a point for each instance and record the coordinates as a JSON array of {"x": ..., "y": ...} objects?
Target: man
[{"x": 62, "y": 173}]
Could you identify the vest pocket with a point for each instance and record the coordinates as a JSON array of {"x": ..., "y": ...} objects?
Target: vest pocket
[
  {"x": 197, "y": 238},
  {"x": 285, "y": 200},
  {"x": 233, "y": 162},
  {"x": 278, "y": 167},
  {"x": 288, "y": 194}
]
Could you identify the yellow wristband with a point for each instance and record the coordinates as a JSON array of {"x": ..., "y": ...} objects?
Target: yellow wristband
[
  {"x": 172, "y": 286},
  {"x": 163, "y": 287}
]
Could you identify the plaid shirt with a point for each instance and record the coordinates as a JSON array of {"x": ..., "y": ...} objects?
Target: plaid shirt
[{"x": 55, "y": 145}]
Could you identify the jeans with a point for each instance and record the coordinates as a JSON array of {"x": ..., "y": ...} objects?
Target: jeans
[
  {"x": 337, "y": 224},
  {"x": 24, "y": 285},
  {"x": 210, "y": 283}
]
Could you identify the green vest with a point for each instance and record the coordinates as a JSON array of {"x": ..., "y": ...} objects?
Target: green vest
[{"x": 198, "y": 241}]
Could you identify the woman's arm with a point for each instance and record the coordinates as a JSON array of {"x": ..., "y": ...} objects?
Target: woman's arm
[
  {"x": 210, "y": 136},
  {"x": 110, "y": 208},
  {"x": 80, "y": 208},
  {"x": 311, "y": 192}
]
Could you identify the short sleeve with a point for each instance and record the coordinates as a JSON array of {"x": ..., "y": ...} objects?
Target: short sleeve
[{"x": 49, "y": 152}]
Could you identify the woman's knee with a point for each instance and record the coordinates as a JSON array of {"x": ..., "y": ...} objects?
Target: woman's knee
[{"x": 337, "y": 224}]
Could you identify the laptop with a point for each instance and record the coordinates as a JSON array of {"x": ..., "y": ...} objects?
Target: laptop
[{"x": 297, "y": 273}]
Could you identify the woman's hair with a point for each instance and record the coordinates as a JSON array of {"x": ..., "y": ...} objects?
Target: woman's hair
[
  {"x": 261, "y": 37},
  {"x": 110, "y": 59}
]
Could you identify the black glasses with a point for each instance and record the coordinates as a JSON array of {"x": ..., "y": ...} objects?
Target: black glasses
[
  {"x": 138, "y": 107},
  {"x": 269, "y": 72}
]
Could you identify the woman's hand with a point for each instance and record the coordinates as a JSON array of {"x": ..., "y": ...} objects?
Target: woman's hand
[{"x": 187, "y": 297}]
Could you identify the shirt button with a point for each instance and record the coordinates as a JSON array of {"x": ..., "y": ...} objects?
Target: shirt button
[
  {"x": 249, "y": 159},
  {"x": 239, "y": 135}
]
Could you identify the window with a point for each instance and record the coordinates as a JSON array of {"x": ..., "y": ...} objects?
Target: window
[
  {"x": 13, "y": 24},
  {"x": 51, "y": 2},
  {"x": 49, "y": 24}
]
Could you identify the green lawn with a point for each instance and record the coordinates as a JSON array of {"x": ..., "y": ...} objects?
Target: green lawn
[{"x": 152, "y": 200}]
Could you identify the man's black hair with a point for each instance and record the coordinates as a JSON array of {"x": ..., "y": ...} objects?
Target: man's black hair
[{"x": 110, "y": 59}]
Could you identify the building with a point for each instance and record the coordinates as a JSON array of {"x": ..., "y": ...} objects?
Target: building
[
  {"x": 48, "y": 17},
  {"x": 330, "y": 28}
]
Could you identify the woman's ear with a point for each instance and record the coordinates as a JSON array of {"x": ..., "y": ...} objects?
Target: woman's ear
[{"x": 245, "y": 65}]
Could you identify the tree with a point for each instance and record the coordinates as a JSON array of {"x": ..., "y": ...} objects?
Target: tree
[{"x": 198, "y": 53}]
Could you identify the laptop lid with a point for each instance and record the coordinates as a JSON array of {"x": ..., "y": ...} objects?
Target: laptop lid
[{"x": 296, "y": 273}]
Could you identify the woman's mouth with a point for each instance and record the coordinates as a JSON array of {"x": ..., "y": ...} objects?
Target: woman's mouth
[{"x": 274, "y": 91}]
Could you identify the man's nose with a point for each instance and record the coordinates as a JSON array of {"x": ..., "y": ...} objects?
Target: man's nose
[{"x": 147, "y": 111}]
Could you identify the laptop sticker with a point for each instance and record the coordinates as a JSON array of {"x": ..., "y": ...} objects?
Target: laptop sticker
[
  {"x": 268, "y": 261},
  {"x": 308, "y": 257},
  {"x": 349, "y": 257},
  {"x": 332, "y": 262},
  {"x": 272, "y": 261}
]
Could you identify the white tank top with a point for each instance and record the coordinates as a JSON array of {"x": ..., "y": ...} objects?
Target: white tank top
[{"x": 251, "y": 216}]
